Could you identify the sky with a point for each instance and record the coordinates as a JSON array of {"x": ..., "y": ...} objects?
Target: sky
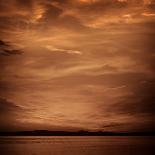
[{"x": 77, "y": 65}]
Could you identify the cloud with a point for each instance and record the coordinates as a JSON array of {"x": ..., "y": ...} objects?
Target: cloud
[
  {"x": 81, "y": 58},
  {"x": 63, "y": 50},
  {"x": 6, "y": 49},
  {"x": 10, "y": 52},
  {"x": 68, "y": 14},
  {"x": 7, "y": 106},
  {"x": 151, "y": 5},
  {"x": 139, "y": 102},
  {"x": 2, "y": 43},
  {"x": 134, "y": 110},
  {"x": 9, "y": 112}
]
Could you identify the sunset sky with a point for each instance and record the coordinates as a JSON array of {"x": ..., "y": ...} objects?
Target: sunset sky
[{"x": 77, "y": 65}]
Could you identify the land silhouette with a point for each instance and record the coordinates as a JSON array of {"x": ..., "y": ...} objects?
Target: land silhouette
[{"x": 73, "y": 133}]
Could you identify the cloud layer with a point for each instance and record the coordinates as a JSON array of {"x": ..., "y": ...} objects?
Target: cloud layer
[{"x": 77, "y": 64}]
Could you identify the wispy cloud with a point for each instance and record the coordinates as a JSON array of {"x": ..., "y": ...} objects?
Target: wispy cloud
[{"x": 6, "y": 49}]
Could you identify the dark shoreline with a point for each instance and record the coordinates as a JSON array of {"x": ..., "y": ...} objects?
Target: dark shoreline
[{"x": 79, "y": 133}]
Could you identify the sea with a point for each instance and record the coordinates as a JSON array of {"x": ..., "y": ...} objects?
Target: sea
[{"x": 77, "y": 145}]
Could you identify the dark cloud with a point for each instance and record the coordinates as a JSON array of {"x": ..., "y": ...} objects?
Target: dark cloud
[
  {"x": 11, "y": 52},
  {"x": 68, "y": 14},
  {"x": 27, "y": 4},
  {"x": 139, "y": 106},
  {"x": 52, "y": 12},
  {"x": 151, "y": 5},
  {"x": 141, "y": 101},
  {"x": 54, "y": 17},
  {"x": 103, "y": 6},
  {"x": 2, "y": 43},
  {"x": 6, "y": 49}
]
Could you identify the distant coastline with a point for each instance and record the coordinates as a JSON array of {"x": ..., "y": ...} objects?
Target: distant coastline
[{"x": 69, "y": 133}]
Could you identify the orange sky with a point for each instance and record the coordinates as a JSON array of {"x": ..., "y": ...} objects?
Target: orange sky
[{"x": 77, "y": 64}]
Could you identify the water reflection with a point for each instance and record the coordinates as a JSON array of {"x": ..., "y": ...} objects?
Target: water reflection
[{"x": 76, "y": 145}]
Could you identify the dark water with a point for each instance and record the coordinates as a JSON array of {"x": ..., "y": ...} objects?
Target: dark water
[{"x": 77, "y": 145}]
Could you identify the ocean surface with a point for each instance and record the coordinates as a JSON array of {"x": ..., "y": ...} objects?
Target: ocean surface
[{"x": 81, "y": 145}]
